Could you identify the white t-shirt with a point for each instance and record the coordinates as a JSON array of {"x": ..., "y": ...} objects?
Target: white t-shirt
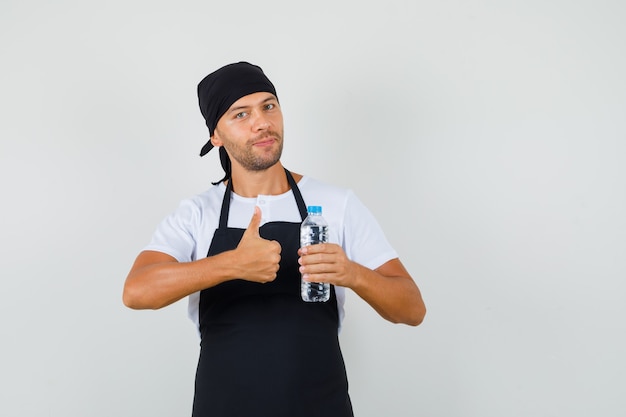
[{"x": 186, "y": 233}]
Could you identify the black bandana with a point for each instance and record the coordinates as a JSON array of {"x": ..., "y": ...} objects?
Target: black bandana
[{"x": 220, "y": 89}]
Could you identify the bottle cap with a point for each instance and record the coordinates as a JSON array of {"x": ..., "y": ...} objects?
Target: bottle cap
[{"x": 314, "y": 209}]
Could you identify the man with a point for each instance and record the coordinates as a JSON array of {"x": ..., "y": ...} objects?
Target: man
[{"x": 234, "y": 250}]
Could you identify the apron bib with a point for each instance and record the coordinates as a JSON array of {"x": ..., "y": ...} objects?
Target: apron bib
[{"x": 264, "y": 351}]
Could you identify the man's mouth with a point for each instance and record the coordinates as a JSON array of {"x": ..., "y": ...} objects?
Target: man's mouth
[{"x": 266, "y": 141}]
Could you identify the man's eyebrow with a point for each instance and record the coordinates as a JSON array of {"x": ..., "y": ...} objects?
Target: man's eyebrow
[
  {"x": 238, "y": 108},
  {"x": 233, "y": 109}
]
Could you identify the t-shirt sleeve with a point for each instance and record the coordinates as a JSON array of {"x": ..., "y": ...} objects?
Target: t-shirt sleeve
[
  {"x": 174, "y": 235},
  {"x": 364, "y": 240}
]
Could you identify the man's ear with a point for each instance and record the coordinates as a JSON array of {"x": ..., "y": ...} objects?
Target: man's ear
[{"x": 215, "y": 140}]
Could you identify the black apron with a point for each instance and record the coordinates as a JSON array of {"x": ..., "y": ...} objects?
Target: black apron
[{"x": 264, "y": 351}]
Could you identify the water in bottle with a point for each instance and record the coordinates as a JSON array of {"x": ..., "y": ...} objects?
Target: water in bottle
[{"x": 313, "y": 230}]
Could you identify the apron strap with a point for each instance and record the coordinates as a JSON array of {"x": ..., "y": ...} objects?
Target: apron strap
[
  {"x": 294, "y": 189},
  {"x": 226, "y": 205},
  {"x": 297, "y": 195}
]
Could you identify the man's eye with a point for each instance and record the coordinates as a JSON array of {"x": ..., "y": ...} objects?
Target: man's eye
[
  {"x": 269, "y": 106},
  {"x": 241, "y": 115}
]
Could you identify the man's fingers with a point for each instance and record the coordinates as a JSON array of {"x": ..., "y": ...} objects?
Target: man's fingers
[
  {"x": 317, "y": 248},
  {"x": 277, "y": 246}
]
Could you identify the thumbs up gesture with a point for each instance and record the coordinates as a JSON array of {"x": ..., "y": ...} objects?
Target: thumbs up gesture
[{"x": 257, "y": 258}]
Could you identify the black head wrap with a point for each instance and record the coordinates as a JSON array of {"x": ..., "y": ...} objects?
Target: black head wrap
[{"x": 220, "y": 89}]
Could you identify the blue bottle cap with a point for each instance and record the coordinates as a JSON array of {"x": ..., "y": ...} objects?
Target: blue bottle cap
[{"x": 314, "y": 209}]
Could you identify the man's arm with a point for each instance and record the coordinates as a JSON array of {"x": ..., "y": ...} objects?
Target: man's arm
[
  {"x": 157, "y": 279},
  {"x": 389, "y": 289}
]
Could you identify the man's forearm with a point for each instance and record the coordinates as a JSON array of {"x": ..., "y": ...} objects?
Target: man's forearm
[
  {"x": 157, "y": 280},
  {"x": 391, "y": 292}
]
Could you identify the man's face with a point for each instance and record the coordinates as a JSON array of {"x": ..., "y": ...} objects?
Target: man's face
[{"x": 251, "y": 131}]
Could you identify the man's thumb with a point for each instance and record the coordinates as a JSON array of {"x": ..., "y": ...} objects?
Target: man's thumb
[{"x": 253, "y": 227}]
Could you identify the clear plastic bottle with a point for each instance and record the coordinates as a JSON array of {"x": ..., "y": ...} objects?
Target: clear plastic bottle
[{"x": 314, "y": 229}]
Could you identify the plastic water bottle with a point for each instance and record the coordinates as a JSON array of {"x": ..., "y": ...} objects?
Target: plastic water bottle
[{"x": 313, "y": 230}]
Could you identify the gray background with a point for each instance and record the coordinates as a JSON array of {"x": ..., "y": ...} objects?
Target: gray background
[{"x": 486, "y": 136}]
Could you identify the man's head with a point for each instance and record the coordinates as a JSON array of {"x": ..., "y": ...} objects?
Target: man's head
[{"x": 223, "y": 87}]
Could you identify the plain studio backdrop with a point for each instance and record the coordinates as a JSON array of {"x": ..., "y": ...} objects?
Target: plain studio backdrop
[{"x": 488, "y": 138}]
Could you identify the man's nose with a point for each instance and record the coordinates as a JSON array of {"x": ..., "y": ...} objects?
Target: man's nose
[{"x": 260, "y": 121}]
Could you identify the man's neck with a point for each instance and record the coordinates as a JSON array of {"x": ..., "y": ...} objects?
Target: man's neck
[{"x": 271, "y": 181}]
